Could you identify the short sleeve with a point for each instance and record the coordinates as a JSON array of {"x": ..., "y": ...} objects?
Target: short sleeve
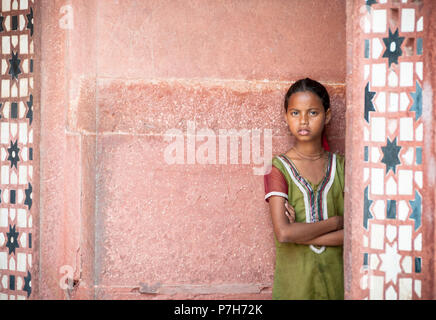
[
  {"x": 341, "y": 170},
  {"x": 275, "y": 184}
]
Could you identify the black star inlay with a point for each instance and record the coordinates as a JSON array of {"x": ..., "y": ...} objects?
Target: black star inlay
[
  {"x": 1, "y": 23},
  {"x": 14, "y": 70},
  {"x": 369, "y": 106},
  {"x": 27, "y": 286},
  {"x": 366, "y": 212},
  {"x": 390, "y": 155},
  {"x": 29, "y": 114},
  {"x": 12, "y": 243},
  {"x": 30, "y": 21},
  {"x": 369, "y": 3},
  {"x": 28, "y": 200},
  {"x": 13, "y": 154},
  {"x": 393, "y": 47}
]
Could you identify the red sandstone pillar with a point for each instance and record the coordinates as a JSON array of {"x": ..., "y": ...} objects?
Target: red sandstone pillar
[{"x": 389, "y": 240}]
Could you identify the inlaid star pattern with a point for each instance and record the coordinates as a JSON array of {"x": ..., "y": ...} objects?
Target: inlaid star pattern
[
  {"x": 416, "y": 210},
  {"x": 29, "y": 114},
  {"x": 27, "y": 284},
  {"x": 393, "y": 47},
  {"x": 390, "y": 264},
  {"x": 366, "y": 212},
  {"x": 28, "y": 200},
  {"x": 369, "y": 105},
  {"x": 13, "y": 154},
  {"x": 369, "y": 3},
  {"x": 14, "y": 69},
  {"x": 390, "y": 155},
  {"x": 12, "y": 243},
  {"x": 30, "y": 21},
  {"x": 417, "y": 101}
]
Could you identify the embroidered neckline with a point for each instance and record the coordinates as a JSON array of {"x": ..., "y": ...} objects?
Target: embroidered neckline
[{"x": 306, "y": 181}]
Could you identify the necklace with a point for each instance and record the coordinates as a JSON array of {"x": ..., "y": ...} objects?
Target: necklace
[{"x": 311, "y": 157}]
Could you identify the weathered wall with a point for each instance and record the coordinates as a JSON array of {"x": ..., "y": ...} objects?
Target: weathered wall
[
  {"x": 117, "y": 75},
  {"x": 389, "y": 239}
]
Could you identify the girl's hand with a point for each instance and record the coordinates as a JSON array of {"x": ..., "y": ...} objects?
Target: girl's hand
[{"x": 290, "y": 212}]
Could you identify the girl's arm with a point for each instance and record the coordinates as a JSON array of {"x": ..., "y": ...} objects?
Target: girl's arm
[
  {"x": 298, "y": 232},
  {"x": 335, "y": 238}
]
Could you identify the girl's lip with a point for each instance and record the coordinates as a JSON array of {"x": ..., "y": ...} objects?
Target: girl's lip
[{"x": 303, "y": 132}]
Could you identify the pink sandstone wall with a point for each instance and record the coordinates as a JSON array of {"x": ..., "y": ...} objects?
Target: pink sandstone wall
[{"x": 115, "y": 218}]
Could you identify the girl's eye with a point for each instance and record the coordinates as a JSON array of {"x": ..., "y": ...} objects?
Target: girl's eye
[
  {"x": 313, "y": 113},
  {"x": 294, "y": 113}
]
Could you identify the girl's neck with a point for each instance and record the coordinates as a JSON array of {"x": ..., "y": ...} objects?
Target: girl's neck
[{"x": 309, "y": 148}]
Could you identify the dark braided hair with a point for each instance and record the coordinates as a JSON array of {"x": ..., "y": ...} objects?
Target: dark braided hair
[{"x": 312, "y": 86}]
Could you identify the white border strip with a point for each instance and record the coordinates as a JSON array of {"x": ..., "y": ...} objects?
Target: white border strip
[{"x": 276, "y": 193}]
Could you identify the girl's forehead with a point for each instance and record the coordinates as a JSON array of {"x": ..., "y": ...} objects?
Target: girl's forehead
[{"x": 305, "y": 99}]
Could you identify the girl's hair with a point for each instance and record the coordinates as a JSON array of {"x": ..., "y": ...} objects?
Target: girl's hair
[{"x": 312, "y": 86}]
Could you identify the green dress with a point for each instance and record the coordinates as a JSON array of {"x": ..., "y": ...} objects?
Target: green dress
[{"x": 303, "y": 271}]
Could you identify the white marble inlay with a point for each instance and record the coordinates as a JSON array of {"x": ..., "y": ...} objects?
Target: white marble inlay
[
  {"x": 392, "y": 126},
  {"x": 373, "y": 261},
  {"x": 377, "y": 236},
  {"x": 379, "y": 209},
  {"x": 407, "y": 20},
  {"x": 393, "y": 102},
  {"x": 418, "y": 178},
  {"x": 391, "y": 186},
  {"x": 419, "y": 70},
  {"x": 391, "y": 232},
  {"x": 378, "y": 21},
  {"x": 6, "y": 45},
  {"x": 377, "y": 181},
  {"x": 418, "y": 288},
  {"x": 4, "y": 215},
  {"x": 375, "y": 154},
  {"x": 380, "y": 102},
  {"x": 366, "y": 70},
  {"x": 378, "y": 129},
  {"x": 405, "y": 289},
  {"x": 405, "y": 238},
  {"x": 406, "y": 74},
  {"x": 405, "y": 182},
  {"x": 406, "y": 129},
  {"x": 376, "y": 284},
  {"x": 419, "y": 133},
  {"x": 3, "y": 261},
  {"x": 377, "y": 48},
  {"x": 417, "y": 244},
  {"x": 365, "y": 174},
  {"x": 404, "y": 101},
  {"x": 407, "y": 264},
  {"x": 392, "y": 79},
  {"x": 390, "y": 263},
  {"x": 379, "y": 74},
  {"x": 21, "y": 262},
  {"x": 391, "y": 294},
  {"x": 21, "y": 218},
  {"x": 420, "y": 24},
  {"x": 408, "y": 156},
  {"x": 5, "y": 175}
]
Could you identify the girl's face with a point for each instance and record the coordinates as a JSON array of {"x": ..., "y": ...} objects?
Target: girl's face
[{"x": 306, "y": 117}]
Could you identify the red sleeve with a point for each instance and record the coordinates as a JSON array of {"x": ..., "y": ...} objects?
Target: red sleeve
[{"x": 275, "y": 184}]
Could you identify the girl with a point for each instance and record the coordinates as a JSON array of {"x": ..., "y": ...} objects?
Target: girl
[{"x": 308, "y": 232}]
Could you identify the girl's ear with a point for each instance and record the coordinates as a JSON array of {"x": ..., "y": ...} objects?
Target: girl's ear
[{"x": 328, "y": 116}]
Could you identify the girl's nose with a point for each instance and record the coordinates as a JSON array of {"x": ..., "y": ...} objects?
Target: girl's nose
[{"x": 303, "y": 119}]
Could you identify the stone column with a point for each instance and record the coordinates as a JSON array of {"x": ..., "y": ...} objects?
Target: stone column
[
  {"x": 19, "y": 152},
  {"x": 389, "y": 240}
]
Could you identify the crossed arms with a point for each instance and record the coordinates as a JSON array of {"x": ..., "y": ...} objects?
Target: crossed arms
[{"x": 328, "y": 232}]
